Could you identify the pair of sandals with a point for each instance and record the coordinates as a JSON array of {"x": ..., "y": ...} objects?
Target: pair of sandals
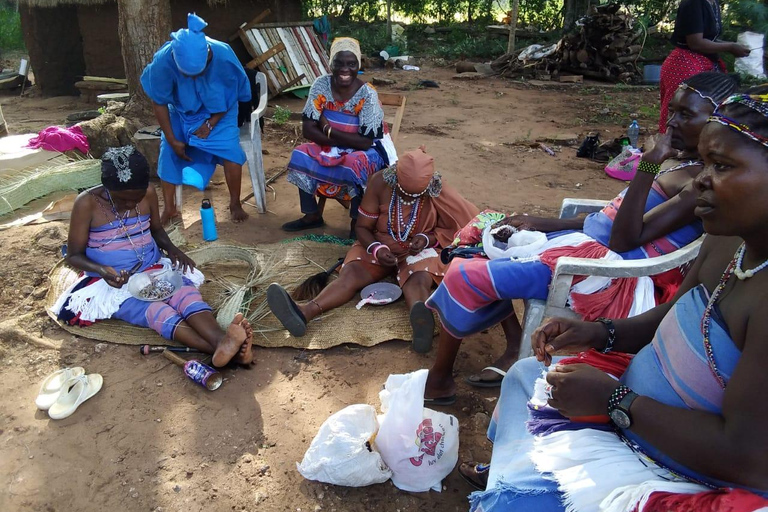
[{"x": 62, "y": 392}]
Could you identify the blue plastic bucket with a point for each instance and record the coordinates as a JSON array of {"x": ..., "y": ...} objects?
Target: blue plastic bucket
[{"x": 651, "y": 74}]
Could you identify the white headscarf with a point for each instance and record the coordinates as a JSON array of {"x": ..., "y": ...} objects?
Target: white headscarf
[{"x": 345, "y": 44}]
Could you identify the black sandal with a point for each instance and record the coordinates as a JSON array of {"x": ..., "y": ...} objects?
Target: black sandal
[
  {"x": 301, "y": 224},
  {"x": 475, "y": 474},
  {"x": 286, "y": 310}
]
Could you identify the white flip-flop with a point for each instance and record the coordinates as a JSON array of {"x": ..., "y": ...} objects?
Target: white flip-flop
[
  {"x": 76, "y": 391},
  {"x": 51, "y": 387}
]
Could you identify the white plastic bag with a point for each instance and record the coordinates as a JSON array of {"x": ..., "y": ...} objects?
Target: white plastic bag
[
  {"x": 342, "y": 451},
  {"x": 752, "y": 64},
  {"x": 420, "y": 446},
  {"x": 522, "y": 244}
]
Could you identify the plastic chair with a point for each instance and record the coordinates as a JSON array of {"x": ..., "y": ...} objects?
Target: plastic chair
[
  {"x": 567, "y": 268},
  {"x": 250, "y": 141}
]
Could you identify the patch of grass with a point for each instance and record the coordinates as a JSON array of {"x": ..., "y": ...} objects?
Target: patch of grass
[
  {"x": 281, "y": 115},
  {"x": 10, "y": 29}
]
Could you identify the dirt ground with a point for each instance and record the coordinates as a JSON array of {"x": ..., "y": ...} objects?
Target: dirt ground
[{"x": 151, "y": 440}]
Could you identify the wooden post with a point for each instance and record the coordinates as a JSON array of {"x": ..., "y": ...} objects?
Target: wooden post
[{"x": 513, "y": 26}]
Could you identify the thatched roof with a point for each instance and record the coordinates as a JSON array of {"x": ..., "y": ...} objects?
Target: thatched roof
[{"x": 56, "y": 3}]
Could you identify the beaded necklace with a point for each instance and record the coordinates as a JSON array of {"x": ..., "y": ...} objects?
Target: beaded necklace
[
  {"x": 677, "y": 167},
  {"x": 395, "y": 215},
  {"x": 734, "y": 267},
  {"x": 121, "y": 224}
]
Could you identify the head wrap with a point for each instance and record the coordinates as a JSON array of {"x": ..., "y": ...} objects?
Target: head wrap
[
  {"x": 189, "y": 46},
  {"x": 756, "y": 102},
  {"x": 416, "y": 174},
  {"x": 345, "y": 44},
  {"x": 124, "y": 168}
]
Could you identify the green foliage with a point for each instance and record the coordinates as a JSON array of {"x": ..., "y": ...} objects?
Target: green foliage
[
  {"x": 542, "y": 14},
  {"x": 740, "y": 15},
  {"x": 281, "y": 115},
  {"x": 10, "y": 28}
]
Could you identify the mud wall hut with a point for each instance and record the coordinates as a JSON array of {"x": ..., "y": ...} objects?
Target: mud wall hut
[{"x": 67, "y": 39}]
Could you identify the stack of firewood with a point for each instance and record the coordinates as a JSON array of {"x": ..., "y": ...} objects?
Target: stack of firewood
[{"x": 604, "y": 45}]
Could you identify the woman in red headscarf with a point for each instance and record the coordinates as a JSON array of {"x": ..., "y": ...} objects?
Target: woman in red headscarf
[{"x": 407, "y": 216}]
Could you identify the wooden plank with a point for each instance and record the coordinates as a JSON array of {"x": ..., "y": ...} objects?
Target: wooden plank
[
  {"x": 574, "y": 79},
  {"x": 104, "y": 79},
  {"x": 283, "y": 24},
  {"x": 317, "y": 56},
  {"x": 278, "y": 75},
  {"x": 311, "y": 57},
  {"x": 258, "y": 61},
  {"x": 289, "y": 84},
  {"x": 398, "y": 120},
  {"x": 281, "y": 59},
  {"x": 320, "y": 50},
  {"x": 248, "y": 44},
  {"x": 266, "y": 66},
  {"x": 263, "y": 43},
  {"x": 287, "y": 37},
  {"x": 254, "y": 21}
]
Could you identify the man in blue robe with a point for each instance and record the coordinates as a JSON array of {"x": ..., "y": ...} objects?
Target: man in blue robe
[{"x": 195, "y": 84}]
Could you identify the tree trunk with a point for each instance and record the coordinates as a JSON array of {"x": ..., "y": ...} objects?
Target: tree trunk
[
  {"x": 389, "y": 21},
  {"x": 143, "y": 27},
  {"x": 574, "y": 9},
  {"x": 513, "y": 26}
]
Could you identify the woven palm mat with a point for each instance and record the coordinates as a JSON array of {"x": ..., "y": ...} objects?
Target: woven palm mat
[{"x": 286, "y": 263}]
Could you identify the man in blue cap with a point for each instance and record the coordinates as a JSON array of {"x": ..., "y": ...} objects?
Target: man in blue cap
[{"x": 195, "y": 84}]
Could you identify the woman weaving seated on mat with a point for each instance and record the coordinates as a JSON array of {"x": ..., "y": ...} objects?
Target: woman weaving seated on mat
[
  {"x": 654, "y": 216},
  {"x": 407, "y": 215},
  {"x": 114, "y": 233},
  {"x": 688, "y": 407},
  {"x": 344, "y": 121}
]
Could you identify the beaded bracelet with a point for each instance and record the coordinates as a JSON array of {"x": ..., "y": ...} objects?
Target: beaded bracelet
[
  {"x": 648, "y": 167},
  {"x": 608, "y": 323},
  {"x": 209, "y": 125},
  {"x": 615, "y": 398},
  {"x": 368, "y": 249}
]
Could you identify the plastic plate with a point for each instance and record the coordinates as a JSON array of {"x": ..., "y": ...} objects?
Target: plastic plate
[{"x": 382, "y": 292}]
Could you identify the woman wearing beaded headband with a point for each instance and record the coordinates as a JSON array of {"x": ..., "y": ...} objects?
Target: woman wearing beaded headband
[
  {"x": 115, "y": 235},
  {"x": 686, "y": 413},
  {"x": 653, "y": 216},
  {"x": 407, "y": 215}
]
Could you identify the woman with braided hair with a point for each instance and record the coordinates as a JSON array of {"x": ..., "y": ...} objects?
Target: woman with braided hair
[
  {"x": 651, "y": 217},
  {"x": 685, "y": 428}
]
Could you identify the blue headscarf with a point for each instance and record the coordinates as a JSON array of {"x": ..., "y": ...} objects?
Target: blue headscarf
[{"x": 189, "y": 47}]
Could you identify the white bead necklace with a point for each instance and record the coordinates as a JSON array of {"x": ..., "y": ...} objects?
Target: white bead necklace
[{"x": 746, "y": 274}]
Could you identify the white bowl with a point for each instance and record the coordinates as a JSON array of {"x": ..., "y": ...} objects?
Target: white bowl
[{"x": 138, "y": 282}]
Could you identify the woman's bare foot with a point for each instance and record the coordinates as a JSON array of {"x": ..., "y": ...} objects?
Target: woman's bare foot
[
  {"x": 169, "y": 215},
  {"x": 439, "y": 388},
  {"x": 245, "y": 354},
  {"x": 237, "y": 213},
  {"x": 230, "y": 344}
]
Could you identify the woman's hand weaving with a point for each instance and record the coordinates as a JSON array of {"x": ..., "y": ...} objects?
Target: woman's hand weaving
[
  {"x": 180, "y": 260},
  {"x": 580, "y": 390},
  {"x": 386, "y": 257},
  {"x": 418, "y": 243},
  {"x": 565, "y": 336},
  {"x": 113, "y": 277}
]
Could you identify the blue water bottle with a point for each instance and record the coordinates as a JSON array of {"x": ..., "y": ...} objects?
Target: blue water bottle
[
  {"x": 209, "y": 221},
  {"x": 633, "y": 133}
]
